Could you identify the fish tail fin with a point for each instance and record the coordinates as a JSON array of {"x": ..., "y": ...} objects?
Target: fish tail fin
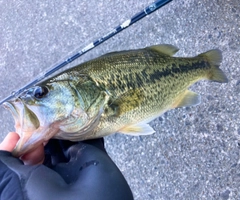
[{"x": 214, "y": 57}]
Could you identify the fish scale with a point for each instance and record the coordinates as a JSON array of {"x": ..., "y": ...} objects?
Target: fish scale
[{"x": 117, "y": 92}]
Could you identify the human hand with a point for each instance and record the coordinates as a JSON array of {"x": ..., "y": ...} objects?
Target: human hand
[
  {"x": 9, "y": 142},
  {"x": 80, "y": 171},
  {"x": 32, "y": 158}
]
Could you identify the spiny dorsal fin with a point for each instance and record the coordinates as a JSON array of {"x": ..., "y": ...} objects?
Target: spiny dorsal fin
[
  {"x": 113, "y": 53},
  {"x": 187, "y": 98},
  {"x": 137, "y": 129},
  {"x": 167, "y": 49}
]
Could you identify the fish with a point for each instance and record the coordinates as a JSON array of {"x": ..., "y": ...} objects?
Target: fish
[{"x": 119, "y": 92}]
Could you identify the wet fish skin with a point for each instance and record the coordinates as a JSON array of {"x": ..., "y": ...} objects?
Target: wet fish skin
[
  {"x": 157, "y": 80},
  {"x": 117, "y": 92}
]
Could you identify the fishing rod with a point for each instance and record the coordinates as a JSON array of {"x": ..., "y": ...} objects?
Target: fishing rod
[{"x": 148, "y": 10}]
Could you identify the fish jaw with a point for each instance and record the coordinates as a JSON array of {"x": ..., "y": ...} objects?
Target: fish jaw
[
  {"x": 29, "y": 141},
  {"x": 27, "y": 125},
  {"x": 16, "y": 111}
]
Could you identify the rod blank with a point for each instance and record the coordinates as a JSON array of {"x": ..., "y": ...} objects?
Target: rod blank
[{"x": 148, "y": 10}]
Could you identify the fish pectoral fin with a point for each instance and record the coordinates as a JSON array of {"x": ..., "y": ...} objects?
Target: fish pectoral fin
[
  {"x": 137, "y": 129},
  {"x": 165, "y": 49},
  {"x": 126, "y": 102},
  {"x": 187, "y": 98}
]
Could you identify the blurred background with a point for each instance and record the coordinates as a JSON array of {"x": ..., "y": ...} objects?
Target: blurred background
[{"x": 195, "y": 152}]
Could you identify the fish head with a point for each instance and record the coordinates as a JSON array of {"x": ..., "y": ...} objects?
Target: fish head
[{"x": 46, "y": 111}]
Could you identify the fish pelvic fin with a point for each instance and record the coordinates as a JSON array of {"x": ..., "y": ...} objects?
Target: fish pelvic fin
[
  {"x": 137, "y": 129},
  {"x": 187, "y": 98},
  {"x": 214, "y": 57},
  {"x": 166, "y": 49}
]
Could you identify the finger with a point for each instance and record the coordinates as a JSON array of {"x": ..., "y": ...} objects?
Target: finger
[
  {"x": 9, "y": 142},
  {"x": 34, "y": 157}
]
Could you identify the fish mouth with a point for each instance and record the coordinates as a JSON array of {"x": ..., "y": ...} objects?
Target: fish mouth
[{"x": 26, "y": 125}]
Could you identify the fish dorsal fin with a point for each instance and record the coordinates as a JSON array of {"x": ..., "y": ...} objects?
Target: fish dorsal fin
[
  {"x": 111, "y": 54},
  {"x": 115, "y": 53},
  {"x": 137, "y": 129},
  {"x": 167, "y": 49},
  {"x": 187, "y": 98}
]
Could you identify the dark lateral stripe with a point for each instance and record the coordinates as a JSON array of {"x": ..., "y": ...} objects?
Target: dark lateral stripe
[
  {"x": 136, "y": 80},
  {"x": 174, "y": 70}
]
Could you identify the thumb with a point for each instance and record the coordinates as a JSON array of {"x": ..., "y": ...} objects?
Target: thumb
[{"x": 9, "y": 142}]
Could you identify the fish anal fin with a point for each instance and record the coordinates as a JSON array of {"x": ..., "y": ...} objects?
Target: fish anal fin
[
  {"x": 187, "y": 98},
  {"x": 137, "y": 129},
  {"x": 165, "y": 49}
]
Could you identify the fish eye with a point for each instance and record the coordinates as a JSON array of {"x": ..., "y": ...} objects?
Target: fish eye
[{"x": 40, "y": 92}]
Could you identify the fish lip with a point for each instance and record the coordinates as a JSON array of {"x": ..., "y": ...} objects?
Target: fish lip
[
  {"x": 18, "y": 108},
  {"x": 10, "y": 106},
  {"x": 24, "y": 126},
  {"x": 14, "y": 110}
]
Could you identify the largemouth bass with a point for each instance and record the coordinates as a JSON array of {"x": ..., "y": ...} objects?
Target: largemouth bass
[{"x": 117, "y": 92}]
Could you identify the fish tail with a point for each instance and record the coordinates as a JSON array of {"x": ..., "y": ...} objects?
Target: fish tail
[{"x": 214, "y": 57}]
